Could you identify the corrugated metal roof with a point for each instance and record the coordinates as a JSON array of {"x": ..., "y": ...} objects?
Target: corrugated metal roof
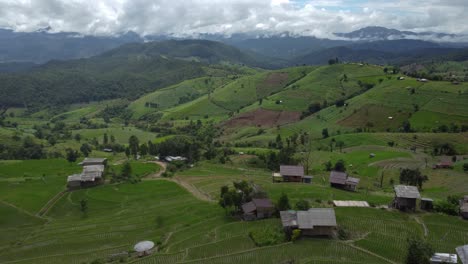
[
  {"x": 74, "y": 177},
  {"x": 462, "y": 252},
  {"x": 352, "y": 181},
  {"x": 93, "y": 168},
  {"x": 248, "y": 207},
  {"x": 403, "y": 191},
  {"x": 304, "y": 220},
  {"x": 288, "y": 218},
  {"x": 338, "y": 177},
  {"x": 292, "y": 170},
  {"x": 323, "y": 216},
  {"x": 351, "y": 203},
  {"x": 93, "y": 160},
  {"x": 444, "y": 258},
  {"x": 264, "y": 203},
  {"x": 464, "y": 208}
]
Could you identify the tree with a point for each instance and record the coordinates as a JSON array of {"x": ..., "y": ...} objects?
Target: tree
[
  {"x": 84, "y": 206},
  {"x": 406, "y": 126},
  {"x": 328, "y": 166},
  {"x": 340, "y": 144},
  {"x": 385, "y": 70},
  {"x": 302, "y": 205},
  {"x": 72, "y": 155},
  {"x": 133, "y": 144},
  {"x": 78, "y": 137},
  {"x": 283, "y": 203},
  {"x": 127, "y": 152},
  {"x": 143, "y": 149},
  {"x": 112, "y": 139},
  {"x": 419, "y": 251},
  {"x": 412, "y": 177},
  {"x": 340, "y": 166},
  {"x": 126, "y": 172},
  {"x": 325, "y": 133},
  {"x": 85, "y": 149},
  {"x": 106, "y": 139}
]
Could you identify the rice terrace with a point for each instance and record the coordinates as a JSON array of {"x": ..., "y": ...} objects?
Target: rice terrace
[{"x": 286, "y": 132}]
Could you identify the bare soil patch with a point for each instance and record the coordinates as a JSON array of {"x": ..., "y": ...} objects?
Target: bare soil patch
[
  {"x": 264, "y": 118},
  {"x": 375, "y": 117}
]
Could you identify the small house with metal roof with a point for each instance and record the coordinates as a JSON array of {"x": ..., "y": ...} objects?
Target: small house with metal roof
[{"x": 405, "y": 197}]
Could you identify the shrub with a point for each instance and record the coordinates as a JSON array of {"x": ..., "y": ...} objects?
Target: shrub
[
  {"x": 267, "y": 236},
  {"x": 296, "y": 233}
]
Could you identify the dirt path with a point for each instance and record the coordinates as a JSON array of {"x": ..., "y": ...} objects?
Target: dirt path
[
  {"x": 371, "y": 253},
  {"x": 51, "y": 203},
  {"x": 419, "y": 221},
  {"x": 158, "y": 174},
  {"x": 20, "y": 209},
  {"x": 189, "y": 187}
]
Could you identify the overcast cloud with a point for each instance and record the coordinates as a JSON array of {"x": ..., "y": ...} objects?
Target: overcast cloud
[{"x": 186, "y": 17}]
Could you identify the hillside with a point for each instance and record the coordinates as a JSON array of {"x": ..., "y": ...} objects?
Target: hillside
[{"x": 126, "y": 72}]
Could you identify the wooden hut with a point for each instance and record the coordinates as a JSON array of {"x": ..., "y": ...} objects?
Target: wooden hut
[
  {"x": 427, "y": 204},
  {"x": 341, "y": 180},
  {"x": 292, "y": 173},
  {"x": 406, "y": 197},
  {"x": 313, "y": 222},
  {"x": 258, "y": 209}
]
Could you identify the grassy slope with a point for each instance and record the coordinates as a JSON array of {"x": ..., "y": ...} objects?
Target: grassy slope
[
  {"x": 169, "y": 97},
  {"x": 238, "y": 94}
]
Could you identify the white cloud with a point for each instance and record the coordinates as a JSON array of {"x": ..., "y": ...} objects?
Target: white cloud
[{"x": 184, "y": 17}]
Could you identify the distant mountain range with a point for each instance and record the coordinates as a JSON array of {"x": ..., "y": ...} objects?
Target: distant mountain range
[
  {"x": 42, "y": 45},
  {"x": 382, "y": 33}
]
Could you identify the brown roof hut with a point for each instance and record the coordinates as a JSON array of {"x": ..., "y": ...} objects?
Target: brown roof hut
[
  {"x": 258, "y": 209},
  {"x": 341, "y": 180},
  {"x": 405, "y": 197},
  {"x": 314, "y": 222},
  {"x": 292, "y": 173}
]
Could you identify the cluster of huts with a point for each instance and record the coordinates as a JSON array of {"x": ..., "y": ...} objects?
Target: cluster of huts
[
  {"x": 337, "y": 179},
  {"x": 91, "y": 175}
]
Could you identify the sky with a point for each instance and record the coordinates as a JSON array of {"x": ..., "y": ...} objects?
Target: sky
[{"x": 318, "y": 18}]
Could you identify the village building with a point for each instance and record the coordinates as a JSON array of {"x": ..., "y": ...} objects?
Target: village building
[
  {"x": 427, "y": 204},
  {"x": 292, "y": 173},
  {"x": 258, "y": 209},
  {"x": 91, "y": 175},
  {"x": 464, "y": 207},
  {"x": 314, "y": 222},
  {"x": 462, "y": 252},
  {"x": 93, "y": 161},
  {"x": 405, "y": 197},
  {"x": 445, "y": 258},
  {"x": 341, "y": 180},
  {"x": 175, "y": 158},
  {"x": 443, "y": 165}
]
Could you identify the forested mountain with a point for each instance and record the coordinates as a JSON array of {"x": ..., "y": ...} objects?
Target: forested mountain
[
  {"x": 128, "y": 71},
  {"x": 42, "y": 46}
]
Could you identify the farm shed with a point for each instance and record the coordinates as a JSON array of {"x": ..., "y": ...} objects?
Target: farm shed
[
  {"x": 350, "y": 203},
  {"x": 462, "y": 252},
  {"x": 292, "y": 173},
  {"x": 90, "y": 176},
  {"x": 258, "y": 209},
  {"x": 93, "y": 161},
  {"x": 314, "y": 222},
  {"x": 443, "y": 165},
  {"x": 405, "y": 197},
  {"x": 445, "y": 258},
  {"x": 464, "y": 207},
  {"x": 307, "y": 179},
  {"x": 427, "y": 204},
  {"x": 341, "y": 180}
]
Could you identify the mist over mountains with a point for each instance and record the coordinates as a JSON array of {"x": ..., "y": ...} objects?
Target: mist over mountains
[{"x": 28, "y": 48}]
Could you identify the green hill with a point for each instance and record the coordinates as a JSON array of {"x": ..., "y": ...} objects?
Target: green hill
[{"x": 126, "y": 72}]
